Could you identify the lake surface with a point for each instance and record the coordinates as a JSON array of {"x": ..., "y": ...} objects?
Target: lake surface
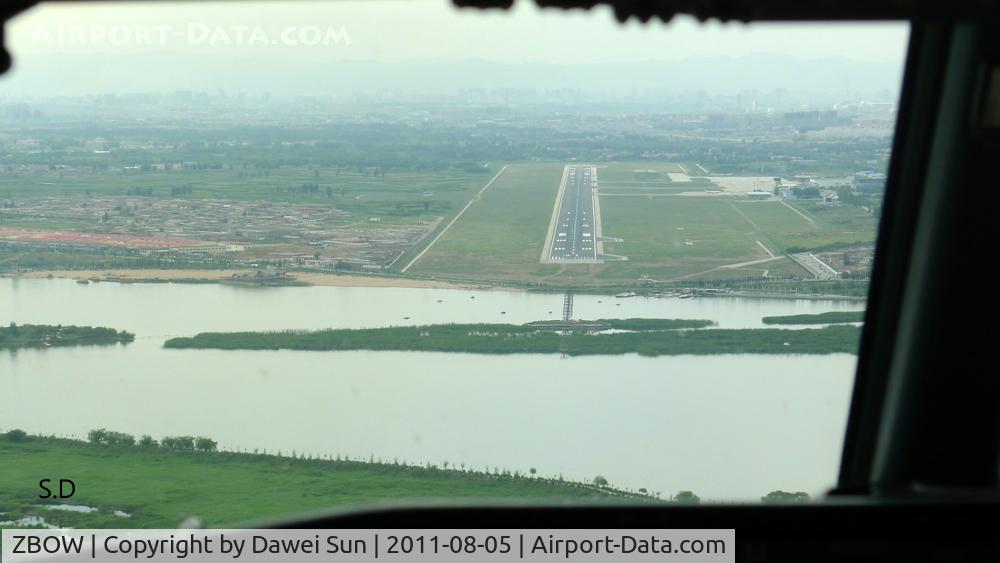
[{"x": 726, "y": 427}]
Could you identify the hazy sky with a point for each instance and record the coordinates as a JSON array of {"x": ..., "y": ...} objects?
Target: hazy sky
[{"x": 392, "y": 30}]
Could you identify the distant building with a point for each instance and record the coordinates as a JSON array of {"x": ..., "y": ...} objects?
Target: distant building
[
  {"x": 322, "y": 263},
  {"x": 869, "y": 181},
  {"x": 758, "y": 194},
  {"x": 814, "y": 120}
]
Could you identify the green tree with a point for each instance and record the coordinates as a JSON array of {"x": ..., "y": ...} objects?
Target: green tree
[
  {"x": 204, "y": 444},
  {"x": 178, "y": 442},
  {"x": 104, "y": 437},
  {"x": 119, "y": 439},
  {"x": 686, "y": 497},
  {"x": 17, "y": 435},
  {"x": 600, "y": 481},
  {"x": 845, "y": 195},
  {"x": 784, "y": 497},
  {"x": 96, "y": 436},
  {"x": 185, "y": 443}
]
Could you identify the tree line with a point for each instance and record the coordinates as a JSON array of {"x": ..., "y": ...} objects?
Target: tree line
[{"x": 104, "y": 437}]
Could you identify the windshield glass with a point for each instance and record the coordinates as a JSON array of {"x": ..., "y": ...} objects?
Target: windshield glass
[{"x": 362, "y": 252}]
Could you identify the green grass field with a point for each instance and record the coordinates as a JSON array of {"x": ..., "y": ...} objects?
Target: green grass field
[
  {"x": 632, "y": 172},
  {"x": 159, "y": 488},
  {"x": 648, "y": 188},
  {"x": 830, "y": 226},
  {"x": 675, "y": 237},
  {"x": 670, "y": 237},
  {"x": 666, "y": 236},
  {"x": 501, "y": 235},
  {"x": 839, "y": 226}
]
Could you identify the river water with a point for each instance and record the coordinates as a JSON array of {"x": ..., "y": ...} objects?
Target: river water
[{"x": 726, "y": 427}]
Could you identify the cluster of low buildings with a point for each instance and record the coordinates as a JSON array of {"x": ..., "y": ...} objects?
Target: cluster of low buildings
[
  {"x": 821, "y": 189},
  {"x": 305, "y": 235}
]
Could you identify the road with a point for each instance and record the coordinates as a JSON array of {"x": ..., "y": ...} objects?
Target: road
[
  {"x": 573, "y": 232},
  {"x": 818, "y": 268}
]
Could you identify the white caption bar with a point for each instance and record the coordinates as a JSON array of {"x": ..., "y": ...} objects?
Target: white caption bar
[{"x": 67, "y": 545}]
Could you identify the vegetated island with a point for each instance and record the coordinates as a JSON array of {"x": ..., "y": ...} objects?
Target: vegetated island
[
  {"x": 833, "y": 317},
  {"x": 530, "y": 339},
  {"x": 621, "y": 324},
  {"x": 45, "y": 336},
  {"x": 185, "y": 475}
]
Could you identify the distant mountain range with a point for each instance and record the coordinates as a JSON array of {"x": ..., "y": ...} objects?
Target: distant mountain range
[{"x": 832, "y": 78}]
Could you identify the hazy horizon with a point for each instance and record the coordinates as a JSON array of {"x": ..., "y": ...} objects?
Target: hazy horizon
[{"x": 299, "y": 47}]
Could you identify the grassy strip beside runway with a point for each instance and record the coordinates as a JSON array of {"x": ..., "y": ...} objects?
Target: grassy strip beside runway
[{"x": 502, "y": 235}]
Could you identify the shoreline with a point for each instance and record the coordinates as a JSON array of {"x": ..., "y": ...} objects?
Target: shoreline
[
  {"x": 324, "y": 279},
  {"x": 119, "y": 275},
  {"x": 157, "y": 465}
]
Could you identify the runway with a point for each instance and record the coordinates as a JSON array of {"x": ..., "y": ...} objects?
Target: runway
[{"x": 573, "y": 231}]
